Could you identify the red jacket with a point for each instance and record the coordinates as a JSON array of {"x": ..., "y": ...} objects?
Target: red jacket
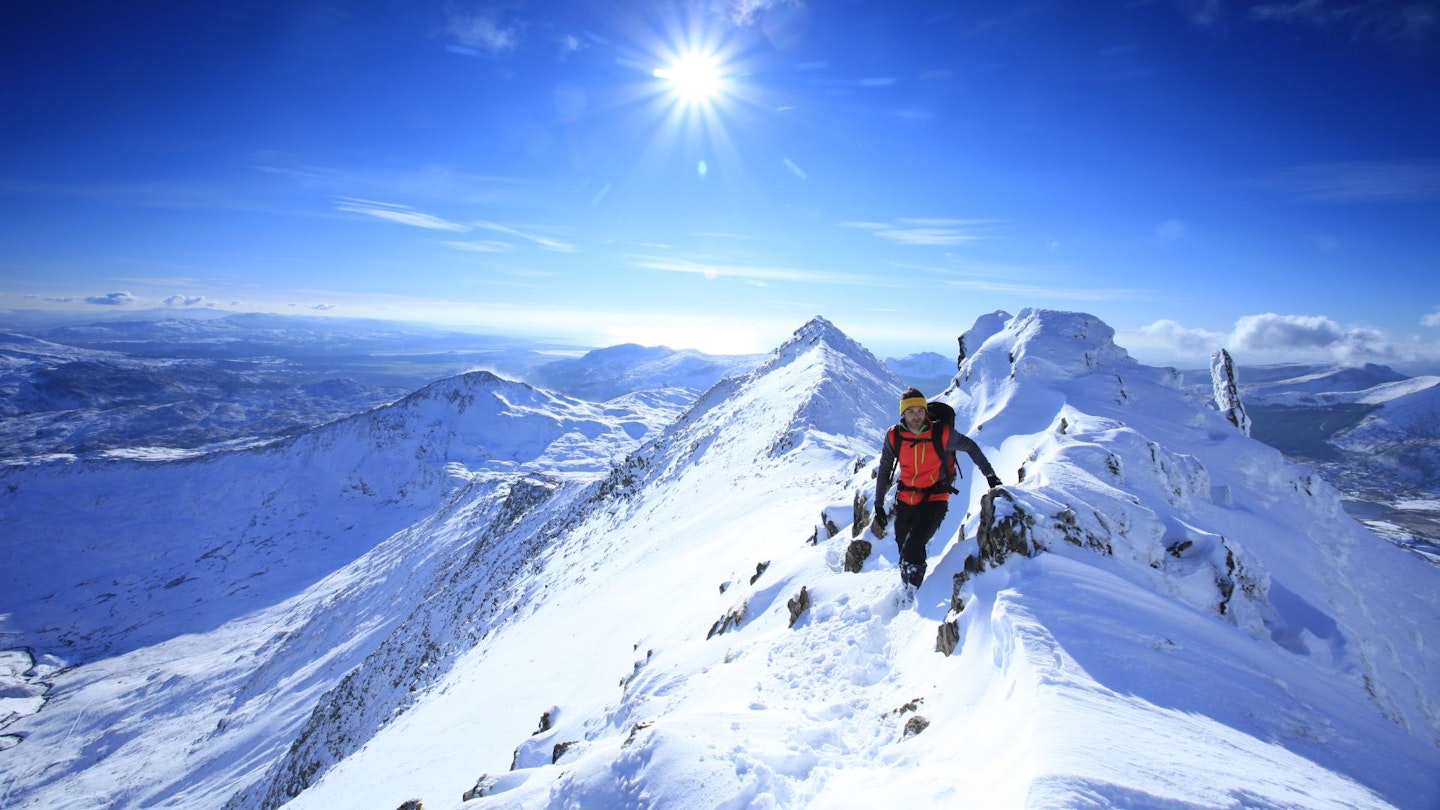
[
  {"x": 917, "y": 469},
  {"x": 920, "y": 467}
]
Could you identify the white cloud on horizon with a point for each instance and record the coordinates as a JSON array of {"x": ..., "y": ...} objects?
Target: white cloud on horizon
[
  {"x": 114, "y": 299},
  {"x": 183, "y": 301},
  {"x": 1271, "y": 337},
  {"x": 1432, "y": 319},
  {"x": 1172, "y": 335},
  {"x": 1302, "y": 333}
]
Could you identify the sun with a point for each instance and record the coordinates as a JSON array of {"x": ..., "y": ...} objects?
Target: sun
[{"x": 695, "y": 78}]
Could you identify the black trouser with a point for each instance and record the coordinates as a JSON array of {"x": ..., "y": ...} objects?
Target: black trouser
[{"x": 914, "y": 526}]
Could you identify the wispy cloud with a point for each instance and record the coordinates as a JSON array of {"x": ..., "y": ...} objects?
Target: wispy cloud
[
  {"x": 1000, "y": 279},
  {"x": 1404, "y": 25},
  {"x": 1357, "y": 182},
  {"x": 928, "y": 231},
  {"x": 543, "y": 241},
  {"x": 481, "y": 31},
  {"x": 482, "y": 246},
  {"x": 399, "y": 213},
  {"x": 406, "y": 215},
  {"x": 1172, "y": 230},
  {"x": 1204, "y": 13},
  {"x": 1041, "y": 291},
  {"x": 745, "y": 12},
  {"x": 752, "y": 274}
]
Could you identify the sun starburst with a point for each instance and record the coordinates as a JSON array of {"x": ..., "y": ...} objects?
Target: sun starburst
[{"x": 694, "y": 78}]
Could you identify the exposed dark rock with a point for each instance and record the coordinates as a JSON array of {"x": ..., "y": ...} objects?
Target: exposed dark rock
[
  {"x": 759, "y": 569},
  {"x": 910, "y": 706},
  {"x": 483, "y": 786},
  {"x": 728, "y": 621},
  {"x": 948, "y": 637},
  {"x": 798, "y": 605},
  {"x": 1069, "y": 526},
  {"x": 856, "y": 555},
  {"x": 914, "y": 726},
  {"x": 1001, "y": 533},
  {"x": 1009, "y": 533},
  {"x": 561, "y": 748},
  {"x": 860, "y": 513},
  {"x": 636, "y": 729}
]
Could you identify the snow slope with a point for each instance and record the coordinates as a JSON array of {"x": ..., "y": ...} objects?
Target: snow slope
[
  {"x": 209, "y": 602},
  {"x": 1156, "y": 611}
]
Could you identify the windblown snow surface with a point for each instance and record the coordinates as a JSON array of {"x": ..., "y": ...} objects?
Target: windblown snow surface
[{"x": 440, "y": 598}]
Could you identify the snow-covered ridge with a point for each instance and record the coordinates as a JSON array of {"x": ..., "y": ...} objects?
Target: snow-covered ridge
[
  {"x": 743, "y": 418},
  {"x": 1155, "y": 611}
]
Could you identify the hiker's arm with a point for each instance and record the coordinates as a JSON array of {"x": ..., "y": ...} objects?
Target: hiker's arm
[
  {"x": 959, "y": 441},
  {"x": 883, "y": 476}
]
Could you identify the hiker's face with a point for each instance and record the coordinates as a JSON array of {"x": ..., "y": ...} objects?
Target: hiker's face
[{"x": 914, "y": 417}]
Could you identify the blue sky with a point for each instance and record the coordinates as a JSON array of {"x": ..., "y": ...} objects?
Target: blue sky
[{"x": 1263, "y": 176}]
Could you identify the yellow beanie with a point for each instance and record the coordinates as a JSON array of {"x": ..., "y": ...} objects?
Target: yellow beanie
[{"x": 912, "y": 398}]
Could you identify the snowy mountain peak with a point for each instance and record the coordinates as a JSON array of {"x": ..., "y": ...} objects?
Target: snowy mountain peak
[
  {"x": 819, "y": 392},
  {"x": 1039, "y": 342},
  {"x": 819, "y": 332}
]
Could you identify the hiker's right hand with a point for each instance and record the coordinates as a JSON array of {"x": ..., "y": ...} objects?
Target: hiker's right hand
[{"x": 877, "y": 526}]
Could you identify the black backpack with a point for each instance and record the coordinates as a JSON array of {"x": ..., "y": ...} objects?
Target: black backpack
[{"x": 940, "y": 414}]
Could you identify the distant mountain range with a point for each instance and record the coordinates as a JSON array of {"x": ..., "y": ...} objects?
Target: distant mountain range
[{"x": 192, "y": 384}]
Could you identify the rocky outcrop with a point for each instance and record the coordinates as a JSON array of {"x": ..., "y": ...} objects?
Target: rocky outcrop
[
  {"x": 798, "y": 605},
  {"x": 856, "y": 554},
  {"x": 1227, "y": 390}
]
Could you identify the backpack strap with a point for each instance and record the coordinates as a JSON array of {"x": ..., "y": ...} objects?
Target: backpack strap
[
  {"x": 939, "y": 432},
  {"x": 950, "y": 469}
]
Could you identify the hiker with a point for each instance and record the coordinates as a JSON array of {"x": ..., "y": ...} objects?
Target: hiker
[{"x": 923, "y": 448}]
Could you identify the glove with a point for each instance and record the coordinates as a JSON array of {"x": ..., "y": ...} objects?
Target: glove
[
  {"x": 877, "y": 526},
  {"x": 993, "y": 481}
]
